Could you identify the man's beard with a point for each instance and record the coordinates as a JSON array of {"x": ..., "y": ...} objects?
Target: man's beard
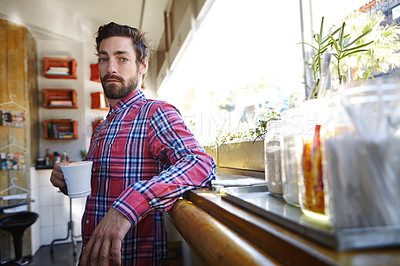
[{"x": 111, "y": 91}]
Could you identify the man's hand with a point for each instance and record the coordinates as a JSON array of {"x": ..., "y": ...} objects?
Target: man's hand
[
  {"x": 106, "y": 240},
  {"x": 57, "y": 178}
]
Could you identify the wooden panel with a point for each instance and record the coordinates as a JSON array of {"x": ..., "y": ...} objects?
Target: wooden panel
[
  {"x": 18, "y": 76},
  {"x": 33, "y": 96},
  {"x": 11, "y": 61},
  {"x": 3, "y": 61},
  {"x": 20, "y": 46}
]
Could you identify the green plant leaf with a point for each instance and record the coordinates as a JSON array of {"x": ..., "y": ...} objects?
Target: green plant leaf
[
  {"x": 358, "y": 51},
  {"x": 358, "y": 47},
  {"x": 360, "y": 37},
  {"x": 340, "y": 43},
  {"x": 315, "y": 48},
  {"x": 322, "y": 26},
  {"x": 335, "y": 44},
  {"x": 334, "y": 32}
]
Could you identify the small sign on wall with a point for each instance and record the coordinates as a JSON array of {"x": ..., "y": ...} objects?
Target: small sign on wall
[{"x": 396, "y": 12}]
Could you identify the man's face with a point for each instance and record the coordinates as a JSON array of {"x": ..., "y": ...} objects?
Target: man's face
[{"x": 120, "y": 74}]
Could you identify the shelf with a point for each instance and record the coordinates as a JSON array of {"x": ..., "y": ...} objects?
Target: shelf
[
  {"x": 94, "y": 73},
  {"x": 99, "y": 101},
  {"x": 95, "y": 124},
  {"x": 59, "y": 68},
  {"x": 60, "y": 98},
  {"x": 57, "y": 129}
]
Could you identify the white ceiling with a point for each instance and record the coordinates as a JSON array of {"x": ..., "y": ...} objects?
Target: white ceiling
[{"x": 79, "y": 19}]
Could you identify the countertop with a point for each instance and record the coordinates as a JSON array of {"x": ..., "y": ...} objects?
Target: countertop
[{"x": 222, "y": 232}]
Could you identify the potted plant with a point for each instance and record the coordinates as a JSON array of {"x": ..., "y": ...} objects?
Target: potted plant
[{"x": 246, "y": 141}]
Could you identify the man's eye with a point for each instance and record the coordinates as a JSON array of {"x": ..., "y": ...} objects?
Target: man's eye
[
  {"x": 123, "y": 59},
  {"x": 102, "y": 60}
]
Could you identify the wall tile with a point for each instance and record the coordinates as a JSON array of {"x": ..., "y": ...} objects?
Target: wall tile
[
  {"x": 46, "y": 214},
  {"x": 46, "y": 235}
]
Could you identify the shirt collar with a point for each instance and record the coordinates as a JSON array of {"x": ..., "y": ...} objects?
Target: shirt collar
[{"x": 133, "y": 98}]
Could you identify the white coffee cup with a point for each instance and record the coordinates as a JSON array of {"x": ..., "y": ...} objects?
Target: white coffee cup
[{"x": 77, "y": 176}]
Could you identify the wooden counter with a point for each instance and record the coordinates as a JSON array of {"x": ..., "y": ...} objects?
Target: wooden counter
[{"x": 223, "y": 233}]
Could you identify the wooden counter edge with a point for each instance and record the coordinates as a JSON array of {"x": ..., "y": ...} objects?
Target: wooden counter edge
[
  {"x": 267, "y": 239},
  {"x": 213, "y": 242}
]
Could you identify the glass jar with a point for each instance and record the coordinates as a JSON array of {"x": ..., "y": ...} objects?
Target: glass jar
[
  {"x": 273, "y": 158},
  {"x": 361, "y": 147},
  {"x": 291, "y": 152},
  {"x": 312, "y": 194},
  {"x": 291, "y": 167},
  {"x": 311, "y": 185}
]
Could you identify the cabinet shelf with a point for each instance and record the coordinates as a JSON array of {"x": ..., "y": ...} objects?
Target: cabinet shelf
[
  {"x": 95, "y": 124},
  {"x": 60, "y": 98},
  {"x": 99, "y": 101},
  {"x": 94, "y": 72},
  {"x": 56, "y": 129},
  {"x": 59, "y": 68}
]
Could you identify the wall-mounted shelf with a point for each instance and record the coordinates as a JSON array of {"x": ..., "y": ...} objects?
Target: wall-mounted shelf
[
  {"x": 99, "y": 101},
  {"x": 60, "y": 98},
  {"x": 56, "y": 129},
  {"x": 94, "y": 72},
  {"x": 95, "y": 124},
  {"x": 59, "y": 68}
]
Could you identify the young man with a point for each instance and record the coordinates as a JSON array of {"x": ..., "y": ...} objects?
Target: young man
[{"x": 144, "y": 159}]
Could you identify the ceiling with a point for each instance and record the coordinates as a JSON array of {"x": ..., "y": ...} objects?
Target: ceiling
[{"x": 78, "y": 20}]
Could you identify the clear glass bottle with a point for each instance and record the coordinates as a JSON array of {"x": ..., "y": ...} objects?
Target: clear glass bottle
[{"x": 273, "y": 158}]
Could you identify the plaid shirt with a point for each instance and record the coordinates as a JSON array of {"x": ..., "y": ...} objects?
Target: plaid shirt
[{"x": 144, "y": 159}]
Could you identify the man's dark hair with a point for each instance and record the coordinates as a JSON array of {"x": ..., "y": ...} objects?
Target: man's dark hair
[{"x": 112, "y": 29}]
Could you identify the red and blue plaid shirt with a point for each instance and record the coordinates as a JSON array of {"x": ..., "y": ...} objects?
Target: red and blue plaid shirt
[{"x": 144, "y": 159}]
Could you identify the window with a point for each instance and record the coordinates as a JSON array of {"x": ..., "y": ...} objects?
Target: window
[{"x": 244, "y": 55}]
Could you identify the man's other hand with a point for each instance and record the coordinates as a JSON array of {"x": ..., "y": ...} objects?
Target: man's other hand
[{"x": 106, "y": 240}]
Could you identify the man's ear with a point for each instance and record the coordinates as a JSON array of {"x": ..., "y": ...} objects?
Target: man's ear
[{"x": 143, "y": 66}]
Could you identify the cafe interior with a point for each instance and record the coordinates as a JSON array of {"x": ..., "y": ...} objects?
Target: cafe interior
[{"x": 270, "y": 89}]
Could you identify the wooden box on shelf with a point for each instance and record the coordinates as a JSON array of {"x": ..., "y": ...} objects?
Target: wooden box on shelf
[
  {"x": 95, "y": 124},
  {"x": 60, "y": 129},
  {"x": 59, "y": 68},
  {"x": 94, "y": 72},
  {"x": 99, "y": 101},
  {"x": 60, "y": 98}
]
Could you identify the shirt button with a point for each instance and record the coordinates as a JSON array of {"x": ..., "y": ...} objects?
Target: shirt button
[{"x": 87, "y": 221}]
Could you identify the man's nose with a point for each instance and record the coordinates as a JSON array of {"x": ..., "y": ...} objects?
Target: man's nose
[{"x": 112, "y": 66}]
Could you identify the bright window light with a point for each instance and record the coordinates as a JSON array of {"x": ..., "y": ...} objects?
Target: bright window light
[{"x": 237, "y": 45}]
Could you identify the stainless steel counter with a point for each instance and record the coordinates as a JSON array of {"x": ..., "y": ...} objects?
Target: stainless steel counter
[{"x": 256, "y": 198}]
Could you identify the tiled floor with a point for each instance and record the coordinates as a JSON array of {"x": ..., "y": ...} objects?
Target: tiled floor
[{"x": 62, "y": 255}]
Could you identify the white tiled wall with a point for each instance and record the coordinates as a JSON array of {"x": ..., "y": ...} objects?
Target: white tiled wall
[{"x": 53, "y": 208}]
